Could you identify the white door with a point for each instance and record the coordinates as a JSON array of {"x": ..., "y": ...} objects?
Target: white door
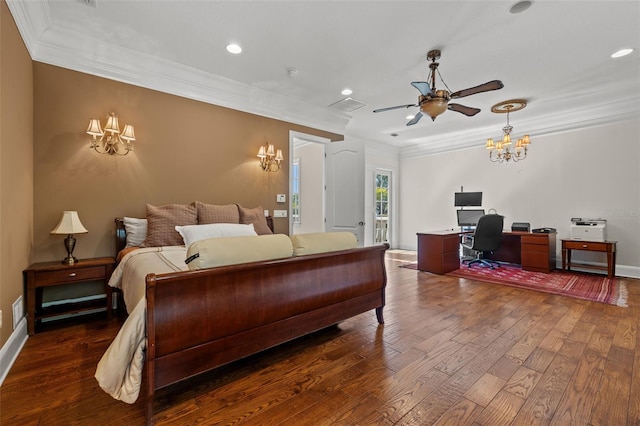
[
  {"x": 345, "y": 188},
  {"x": 307, "y": 188}
]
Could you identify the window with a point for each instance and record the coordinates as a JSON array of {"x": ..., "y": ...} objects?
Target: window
[
  {"x": 382, "y": 206},
  {"x": 295, "y": 191}
]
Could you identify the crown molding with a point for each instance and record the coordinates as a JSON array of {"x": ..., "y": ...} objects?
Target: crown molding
[
  {"x": 614, "y": 112},
  {"x": 53, "y": 45}
]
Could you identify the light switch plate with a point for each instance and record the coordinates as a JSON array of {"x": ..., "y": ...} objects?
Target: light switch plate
[
  {"x": 281, "y": 198},
  {"x": 266, "y": 213},
  {"x": 279, "y": 213}
]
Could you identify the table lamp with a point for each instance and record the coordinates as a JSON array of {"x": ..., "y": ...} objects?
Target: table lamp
[{"x": 69, "y": 224}]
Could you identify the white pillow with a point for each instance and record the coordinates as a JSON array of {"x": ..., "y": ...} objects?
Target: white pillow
[
  {"x": 192, "y": 233},
  {"x": 136, "y": 230}
]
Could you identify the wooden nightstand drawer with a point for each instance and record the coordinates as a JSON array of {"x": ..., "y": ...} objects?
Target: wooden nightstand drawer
[
  {"x": 584, "y": 245},
  {"x": 69, "y": 275}
]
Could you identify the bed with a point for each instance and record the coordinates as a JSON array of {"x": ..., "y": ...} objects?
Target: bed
[{"x": 185, "y": 322}]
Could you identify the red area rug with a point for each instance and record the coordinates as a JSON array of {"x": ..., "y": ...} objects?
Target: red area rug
[{"x": 592, "y": 287}]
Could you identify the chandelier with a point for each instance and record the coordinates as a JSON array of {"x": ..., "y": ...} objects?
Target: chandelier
[
  {"x": 270, "y": 158},
  {"x": 502, "y": 148},
  {"x": 111, "y": 141}
]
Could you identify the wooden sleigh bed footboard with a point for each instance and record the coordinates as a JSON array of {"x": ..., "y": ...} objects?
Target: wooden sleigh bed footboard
[{"x": 200, "y": 320}]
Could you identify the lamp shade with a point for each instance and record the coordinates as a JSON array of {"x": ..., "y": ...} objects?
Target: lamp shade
[
  {"x": 261, "y": 152},
  {"x": 69, "y": 224},
  {"x": 112, "y": 124},
  {"x": 94, "y": 128},
  {"x": 128, "y": 133}
]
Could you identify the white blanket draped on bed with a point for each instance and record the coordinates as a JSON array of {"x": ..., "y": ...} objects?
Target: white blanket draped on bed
[{"x": 119, "y": 372}]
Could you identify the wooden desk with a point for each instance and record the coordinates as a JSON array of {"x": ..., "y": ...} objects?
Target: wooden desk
[
  {"x": 438, "y": 251},
  {"x": 608, "y": 247}
]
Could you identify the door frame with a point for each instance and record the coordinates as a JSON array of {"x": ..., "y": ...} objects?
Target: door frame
[
  {"x": 389, "y": 173},
  {"x": 293, "y": 135}
]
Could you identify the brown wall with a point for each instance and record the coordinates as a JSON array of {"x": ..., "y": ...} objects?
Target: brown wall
[
  {"x": 16, "y": 165},
  {"x": 185, "y": 150}
]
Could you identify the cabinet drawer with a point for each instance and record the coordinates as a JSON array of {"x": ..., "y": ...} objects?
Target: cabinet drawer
[
  {"x": 535, "y": 248},
  {"x": 536, "y": 261},
  {"x": 540, "y": 239},
  {"x": 584, "y": 245},
  {"x": 451, "y": 244},
  {"x": 69, "y": 275}
]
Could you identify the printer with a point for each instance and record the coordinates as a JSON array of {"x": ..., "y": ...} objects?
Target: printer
[{"x": 588, "y": 229}]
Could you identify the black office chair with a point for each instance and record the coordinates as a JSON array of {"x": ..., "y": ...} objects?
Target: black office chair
[{"x": 486, "y": 238}]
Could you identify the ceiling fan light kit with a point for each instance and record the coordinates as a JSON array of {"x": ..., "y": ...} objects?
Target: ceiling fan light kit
[
  {"x": 502, "y": 148},
  {"x": 433, "y": 102}
]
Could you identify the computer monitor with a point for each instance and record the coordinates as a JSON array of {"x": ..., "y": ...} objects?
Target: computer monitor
[
  {"x": 467, "y": 199},
  {"x": 469, "y": 217}
]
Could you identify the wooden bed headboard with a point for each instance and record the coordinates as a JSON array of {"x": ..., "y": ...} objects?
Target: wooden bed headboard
[{"x": 121, "y": 233}]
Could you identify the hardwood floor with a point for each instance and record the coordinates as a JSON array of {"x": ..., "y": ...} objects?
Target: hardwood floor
[{"x": 452, "y": 351}]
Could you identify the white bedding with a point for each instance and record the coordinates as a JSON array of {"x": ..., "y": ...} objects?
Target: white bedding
[{"x": 119, "y": 372}]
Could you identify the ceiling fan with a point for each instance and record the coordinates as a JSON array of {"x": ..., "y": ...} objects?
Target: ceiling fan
[{"x": 434, "y": 102}]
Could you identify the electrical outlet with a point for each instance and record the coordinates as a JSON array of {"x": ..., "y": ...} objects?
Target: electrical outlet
[
  {"x": 281, "y": 198},
  {"x": 266, "y": 213},
  {"x": 279, "y": 213}
]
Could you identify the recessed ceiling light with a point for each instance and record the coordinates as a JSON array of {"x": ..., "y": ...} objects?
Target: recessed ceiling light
[
  {"x": 410, "y": 117},
  {"x": 346, "y": 91},
  {"x": 622, "y": 52},
  {"x": 234, "y": 48},
  {"x": 520, "y": 7}
]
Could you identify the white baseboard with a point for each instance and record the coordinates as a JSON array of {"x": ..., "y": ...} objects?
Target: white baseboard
[{"x": 11, "y": 349}]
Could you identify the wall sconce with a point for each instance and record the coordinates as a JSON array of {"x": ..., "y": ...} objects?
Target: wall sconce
[
  {"x": 69, "y": 224},
  {"x": 111, "y": 140},
  {"x": 270, "y": 159}
]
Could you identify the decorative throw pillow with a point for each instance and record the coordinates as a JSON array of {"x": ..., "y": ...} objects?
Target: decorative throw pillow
[
  {"x": 136, "y": 230},
  {"x": 255, "y": 216},
  {"x": 162, "y": 222},
  {"x": 192, "y": 233},
  {"x": 211, "y": 213}
]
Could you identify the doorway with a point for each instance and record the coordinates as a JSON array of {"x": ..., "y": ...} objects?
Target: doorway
[
  {"x": 382, "y": 207},
  {"x": 306, "y": 183}
]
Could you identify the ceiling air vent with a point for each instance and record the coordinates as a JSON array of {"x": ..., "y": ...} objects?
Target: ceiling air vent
[
  {"x": 91, "y": 3},
  {"x": 347, "y": 105}
]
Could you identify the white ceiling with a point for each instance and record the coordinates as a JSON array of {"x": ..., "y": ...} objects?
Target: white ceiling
[{"x": 556, "y": 55}]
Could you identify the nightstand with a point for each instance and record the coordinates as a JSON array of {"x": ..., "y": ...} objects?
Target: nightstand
[{"x": 47, "y": 274}]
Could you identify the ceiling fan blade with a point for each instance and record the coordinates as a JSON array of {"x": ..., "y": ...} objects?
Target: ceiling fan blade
[
  {"x": 415, "y": 119},
  {"x": 394, "y": 107},
  {"x": 422, "y": 86},
  {"x": 491, "y": 85},
  {"x": 468, "y": 111}
]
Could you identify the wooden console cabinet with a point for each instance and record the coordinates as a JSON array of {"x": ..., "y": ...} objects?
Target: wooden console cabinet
[{"x": 608, "y": 247}]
